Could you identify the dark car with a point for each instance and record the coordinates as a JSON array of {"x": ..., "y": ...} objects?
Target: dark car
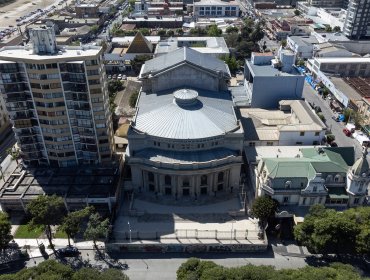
[
  {"x": 347, "y": 132},
  {"x": 68, "y": 251},
  {"x": 333, "y": 144}
]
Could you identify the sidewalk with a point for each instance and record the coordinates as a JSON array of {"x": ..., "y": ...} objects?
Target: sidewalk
[{"x": 32, "y": 245}]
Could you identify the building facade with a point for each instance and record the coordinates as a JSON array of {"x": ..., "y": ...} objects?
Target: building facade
[
  {"x": 216, "y": 8},
  {"x": 327, "y": 176},
  {"x": 185, "y": 139},
  {"x": 269, "y": 79},
  {"x": 57, "y": 101},
  {"x": 357, "y": 23}
]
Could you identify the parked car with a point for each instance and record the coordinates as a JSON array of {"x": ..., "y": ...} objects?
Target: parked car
[
  {"x": 114, "y": 76},
  {"x": 119, "y": 77},
  {"x": 347, "y": 132},
  {"x": 124, "y": 77},
  {"x": 68, "y": 251},
  {"x": 333, "y": 144}
]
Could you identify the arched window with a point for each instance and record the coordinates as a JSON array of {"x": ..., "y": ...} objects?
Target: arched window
[
  {"x": 167, "y": 180},
  {"x": 337, "y": 178},
  {"x": 203, "y": 180},
  {"x": 150, "y": 177},
  {"x": 220, "y": 176},
  {"x": 314, "y": 189},
  {"x": 329, "y": 178},
  {"x": 288, "y": 184}
]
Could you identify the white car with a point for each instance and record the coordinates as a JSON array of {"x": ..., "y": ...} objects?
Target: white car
[
  {"x": 124, "y": 77},
  {"x": 109, "y": 77},
  {"x": 119, "y": 77}
]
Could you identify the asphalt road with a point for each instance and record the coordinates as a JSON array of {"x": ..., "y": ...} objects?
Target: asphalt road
[
  {"x": 142, "y": 266},
  {"x": 336, "y": 128}
]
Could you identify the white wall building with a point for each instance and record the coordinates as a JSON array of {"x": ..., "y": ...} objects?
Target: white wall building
[
  {"x": 294, "y": 124},
  {"x": 216, "y": 8}
]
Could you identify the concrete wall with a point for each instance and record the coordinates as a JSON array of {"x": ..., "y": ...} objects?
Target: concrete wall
[
  {"x": 292, "y": 138},
  {"x": 186, "y": 248},
  {"x": 268, "y": 91}
]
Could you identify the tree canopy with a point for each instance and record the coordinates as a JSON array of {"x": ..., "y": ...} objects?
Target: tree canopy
[
  {"x": 46, "y": 211},
  {"x": 214, "y": 31},
  {"x": 264, "y": 207},
  {"x": 97, "y": 228},
  {"x": 207, "y": 270},
  {"x": 53, "y": 270},
  {"x": 5, "y": 231},
  {"x": 326, "y": 231},
  {"x": 71, "y": 224}
]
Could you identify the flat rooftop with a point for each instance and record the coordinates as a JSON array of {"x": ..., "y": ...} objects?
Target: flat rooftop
[
  {"x": 69, "y": 52},
  {"x": 255, "y": 154},
  {"x": 69, "y": 182},
  {"x": 269, "y": 70},
  {"x": 266, "y": 125},
  {"x": 345, "y": 86}
]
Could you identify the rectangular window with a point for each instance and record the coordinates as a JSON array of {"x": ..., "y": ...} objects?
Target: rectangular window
[
  {"x": 317, "y": 133},
  {"x": 301, "y": 133},
  {"x": 252, "y": 144},
  {"x": 286, "y": 199}
]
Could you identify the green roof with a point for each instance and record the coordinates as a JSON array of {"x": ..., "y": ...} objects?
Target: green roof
[{"x": 323, "y": 160}]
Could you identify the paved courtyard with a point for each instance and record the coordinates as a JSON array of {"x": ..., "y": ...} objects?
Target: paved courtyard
[{"x": 219, "y": 222}]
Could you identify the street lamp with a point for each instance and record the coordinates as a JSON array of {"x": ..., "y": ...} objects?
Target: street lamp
[{"x": 129, "y": 228}]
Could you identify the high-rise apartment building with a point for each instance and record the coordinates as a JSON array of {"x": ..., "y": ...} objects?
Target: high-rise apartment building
[
  {"x": 57, "y": 101},
  {"x": 357, "y": 24}
]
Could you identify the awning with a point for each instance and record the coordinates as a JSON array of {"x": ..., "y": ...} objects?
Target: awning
[{"x": 337, "y": 193}]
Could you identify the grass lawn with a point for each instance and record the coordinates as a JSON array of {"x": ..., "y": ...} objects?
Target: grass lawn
[
  {"x": 23, "y": 232},
  {"x": 60, "y": 234}
]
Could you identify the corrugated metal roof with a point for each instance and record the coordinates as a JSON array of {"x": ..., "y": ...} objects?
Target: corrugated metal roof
[
  {"x": 161, "y": 63},
  {"x": 160, "y": 115}
]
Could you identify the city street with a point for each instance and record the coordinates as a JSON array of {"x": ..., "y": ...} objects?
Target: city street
[
  {"x": 142, "y": 266},
  {"x": 335, "y": 127}
]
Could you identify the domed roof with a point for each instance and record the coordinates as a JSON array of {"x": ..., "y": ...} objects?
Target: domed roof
[
  {"x": 185, "y": 114},
  {"x": 361, "y": 166}
]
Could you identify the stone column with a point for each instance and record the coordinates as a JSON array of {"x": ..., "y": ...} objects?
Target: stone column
[
  {"x": 178, "y": 188},
  {"x": 144, "y": 188},
  {"x": 192, "y": 186}
]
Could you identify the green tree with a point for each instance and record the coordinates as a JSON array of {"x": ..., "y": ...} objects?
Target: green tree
[
  {"x": 5, "y": 231},
  {"x": 336, "y": 29},
  {"x": 46, "y": 211},
  {"x": 206, "y": 270},
  {"x": 326, "y": 231},
  {"x": 144, "y": 31},
  {"x": 114, "y": 86},
  {"x": 94, "y": 29},
  {"x": 263, "y": 208},
  {"x": 96, "y": 228},
  {"x": 283, "y": 43},
  {"x": 328, "y": 28},
  {"x": 71, "y": 224},
  {"x": 231, "y": 63},
  {"x": 301, "y": 63},
  {"x": 161, "y": 32},
  {"x": 232, "y": 29},
  {"x": 214, "y": 31},
  {"x": 170, "y": 33},
  {"x": 133, "y": 99},
  {"x": 180, "y": 32},
  {"x": 297, "y": 12},
  {"x": 138, "y": 61},
  {"x": 14, "y": 153}
]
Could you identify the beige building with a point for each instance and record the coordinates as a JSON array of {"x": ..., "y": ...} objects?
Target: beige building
[
  {"x": 57, "y": 101},
  {"x": 293, "y": 124}
]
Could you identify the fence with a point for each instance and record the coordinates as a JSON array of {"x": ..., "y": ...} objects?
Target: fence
[{"x": 187, "y": 234}]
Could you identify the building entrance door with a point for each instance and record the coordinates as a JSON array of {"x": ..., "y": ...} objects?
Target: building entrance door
[
  {"x": 186, "y": 192},
  {"x": 203, "y": 190},
  {"x": 168, "y": 191}
]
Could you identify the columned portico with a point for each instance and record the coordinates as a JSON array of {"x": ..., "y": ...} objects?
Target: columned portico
[{"x": 187, "y": 183}]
